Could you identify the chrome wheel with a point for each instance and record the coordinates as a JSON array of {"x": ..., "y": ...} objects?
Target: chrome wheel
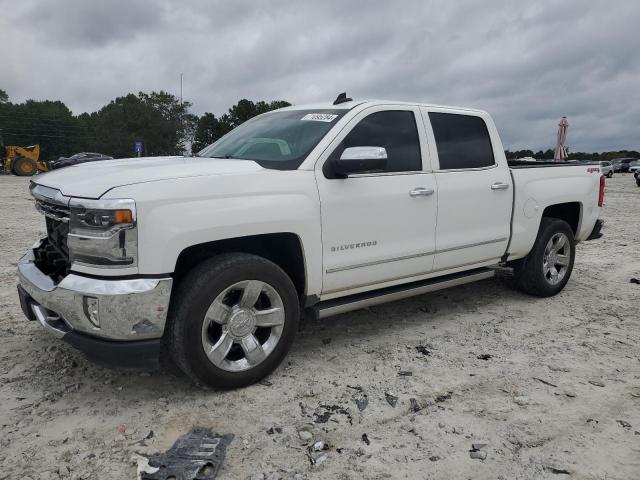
[
  {"x": 557, "y": 255},
  {"x": 243, "y": 325}
]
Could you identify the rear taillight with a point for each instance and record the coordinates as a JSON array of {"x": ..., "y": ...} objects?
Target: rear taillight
[{"x": 601, "y": 192}]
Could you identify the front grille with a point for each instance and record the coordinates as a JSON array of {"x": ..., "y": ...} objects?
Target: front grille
[
  {"x": 52, "y": 256},
  {"x": 54, "y": 211}
]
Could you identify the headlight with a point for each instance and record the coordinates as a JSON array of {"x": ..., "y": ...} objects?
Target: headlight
[{"x": 103, "y": 233}]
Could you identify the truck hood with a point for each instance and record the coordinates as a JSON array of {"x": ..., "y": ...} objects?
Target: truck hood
[{"x": 94, "y": 179}]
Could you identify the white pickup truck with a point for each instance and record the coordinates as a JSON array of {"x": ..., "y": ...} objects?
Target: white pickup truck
[{"x": 324, "y": 208}]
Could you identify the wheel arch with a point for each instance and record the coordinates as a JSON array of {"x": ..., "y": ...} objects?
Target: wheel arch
[
  {"x": 570, "y": 212},
  {"x": 285, "y": 249}
]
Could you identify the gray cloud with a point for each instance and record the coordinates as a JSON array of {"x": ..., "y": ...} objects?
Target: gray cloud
[{"x": 528, "y": 63}]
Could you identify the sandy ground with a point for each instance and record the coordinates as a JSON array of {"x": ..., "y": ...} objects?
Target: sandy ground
[{"x": 559, "y": 396}]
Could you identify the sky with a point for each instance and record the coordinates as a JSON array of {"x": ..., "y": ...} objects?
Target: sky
[{"x": 526, "y": 63}]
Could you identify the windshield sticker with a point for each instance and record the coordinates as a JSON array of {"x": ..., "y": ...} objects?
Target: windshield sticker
[{"x": 320, "y": 117}]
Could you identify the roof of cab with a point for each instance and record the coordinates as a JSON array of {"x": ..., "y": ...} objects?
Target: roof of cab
[{"x": 371, "y": 102}]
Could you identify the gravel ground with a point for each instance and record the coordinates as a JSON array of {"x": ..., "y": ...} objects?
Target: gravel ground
[{"x": 551, "y": 386}]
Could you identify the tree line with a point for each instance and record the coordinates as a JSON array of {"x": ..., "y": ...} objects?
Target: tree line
[
  {"x": 594, "y": 156},
  {"x": 163, "y": 124}
]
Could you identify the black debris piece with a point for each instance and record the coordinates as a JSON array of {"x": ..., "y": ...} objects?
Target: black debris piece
[
  {"x": 596, "y": 383},
  {"x": 635, "y": 280},
  {"x": 444, "y": 397},
  {"x": 197, "y": 455},
  {"x": 392, "y": 398},
  {"x": 265, "y": 383},
  {"x": 557, "y": 471},
  {"x": 330, "y": 410},
  {"x": 326, "y": 341},
  {"x": 544, "y": 381},
  {"x": 405, "y": 373},
  {"x": 273, "y": 430},
  {"x": 623, "y": 423},
  {"x": 365, "y": 439},
  {"x": 414, "y": 406},
  {"x": 321, "y": 417},
  {"x": 484, "y": 356},
  {"x": 423, "y": 350}
]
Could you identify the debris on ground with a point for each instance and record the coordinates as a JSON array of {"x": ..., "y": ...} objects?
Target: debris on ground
[
  {"x": 316, "y": 452},
  {"x": 326, "y": 341},
  {"x": 405, "y": 373},
  {"x": 635, "y": 280},
  {"x": 557, "y": 471},
  {"x": 597, "y": 383},
  {"x": 305, "y": 435},
  {"x": 443, "y": 397},
  {"x": 414, "y": 406},
  {"x": 623, "y": 423},
  {"x": 195, "y": 455},
  {"x": 273, "y": 430},
  {"x": 329, "y": 411},
  {"x": 484, "y": 356},
  {"x": 545, "y": 382},
  {"x": 391, "y": 398},
  {"x": 142, "y": 465},
  {"x": 365, "y": 439},
  {"x": 361, "y": 402},
  {"x": 477, "y": 451},
  {"x": 423, "y": 350},
  {"x": 142, "y": 442}
]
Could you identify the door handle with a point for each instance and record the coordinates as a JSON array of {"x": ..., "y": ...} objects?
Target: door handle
[
  {"x": 421, "y": 192},
  {"x": 499, "y": 186}
]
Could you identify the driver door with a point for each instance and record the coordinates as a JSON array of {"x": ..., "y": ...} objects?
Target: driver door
[{"x": 378, "y": 228}]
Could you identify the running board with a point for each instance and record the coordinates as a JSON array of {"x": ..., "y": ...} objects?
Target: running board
[{"x": 336, "y": 306}]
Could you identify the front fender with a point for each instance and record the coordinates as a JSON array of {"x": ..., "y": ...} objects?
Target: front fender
[{"x": 176, "y": 214}]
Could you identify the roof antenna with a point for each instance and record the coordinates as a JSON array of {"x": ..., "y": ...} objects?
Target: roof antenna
[{"x": 342, "y": 98}]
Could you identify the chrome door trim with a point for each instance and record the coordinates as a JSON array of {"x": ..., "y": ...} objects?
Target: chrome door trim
[
  {"x": 408, "y": 257},
  {"x": 477, "y": 244},
  {"x": 378, "y": 262}
]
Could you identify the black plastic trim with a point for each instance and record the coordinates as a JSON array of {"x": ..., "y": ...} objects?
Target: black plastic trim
[
  {"x": 142, "y": 354},
  {"x": 596, "y": 232},
  {"x": 134, "y": 276}
]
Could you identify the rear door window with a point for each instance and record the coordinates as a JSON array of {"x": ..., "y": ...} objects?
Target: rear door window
[{"x": 462, "y": 141}]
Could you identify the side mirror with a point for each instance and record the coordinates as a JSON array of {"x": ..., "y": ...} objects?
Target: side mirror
[{"x": 360, "y": 160}]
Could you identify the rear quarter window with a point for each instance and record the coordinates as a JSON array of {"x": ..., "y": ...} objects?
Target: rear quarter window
[{"x": 462, "y": 141}]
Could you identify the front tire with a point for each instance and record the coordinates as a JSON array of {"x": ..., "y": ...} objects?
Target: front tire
[
  {"x": 233, "y": 320},
  {"x": 610, "y": 174},
  {"x": 547, "y": 268}
]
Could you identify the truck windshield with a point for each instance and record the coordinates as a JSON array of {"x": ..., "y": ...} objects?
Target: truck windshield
[{"x": 278, "y": 140}]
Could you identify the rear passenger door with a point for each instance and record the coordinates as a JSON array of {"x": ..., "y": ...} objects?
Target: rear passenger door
[
  {"x": 474, "y": 190},
  {"x": 378, "y": 228}
]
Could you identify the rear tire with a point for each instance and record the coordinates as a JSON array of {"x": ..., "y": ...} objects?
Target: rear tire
[
  {"x": 232, "y": 320},
  {"x": 547, "y": 268},
  {"x": 24, "y": 167},
  {"x": 610, "y": 174}
]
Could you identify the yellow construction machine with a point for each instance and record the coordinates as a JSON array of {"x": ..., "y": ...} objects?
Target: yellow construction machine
[{"x": 22, "y": 161}]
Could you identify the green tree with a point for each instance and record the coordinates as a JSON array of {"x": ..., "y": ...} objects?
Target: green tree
[
  {"x": 4, "y": 98},
  {"x": 158, "y": 120}
]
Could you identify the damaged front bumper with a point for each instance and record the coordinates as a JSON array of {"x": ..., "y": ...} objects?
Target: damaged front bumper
[{"x": 114, "y": 322}]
